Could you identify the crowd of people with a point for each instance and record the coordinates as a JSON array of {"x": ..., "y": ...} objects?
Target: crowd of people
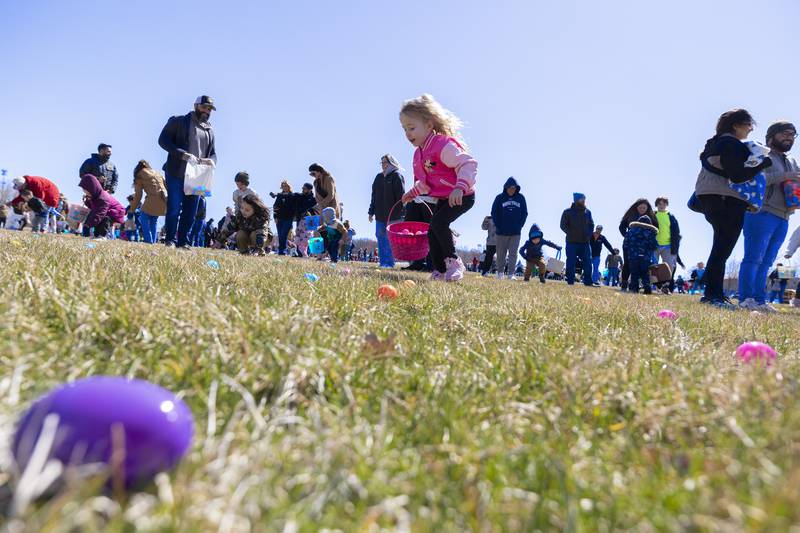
[{"x": 742, "y": 187}]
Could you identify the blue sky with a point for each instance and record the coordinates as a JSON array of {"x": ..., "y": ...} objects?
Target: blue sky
[{"x": 614, "y": 99}]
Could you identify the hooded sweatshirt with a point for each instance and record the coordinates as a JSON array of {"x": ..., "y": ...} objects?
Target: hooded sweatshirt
[
  {"x": 509, "y": 212},
  {"x": 101, "y": 204},
  {"x": 533, "y": 250},
  {"x": 640, "y": 240}
]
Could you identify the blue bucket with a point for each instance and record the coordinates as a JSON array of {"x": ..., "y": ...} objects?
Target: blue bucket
[
  {"x": 313, "y": 222},
  {"x": 316, "y": 245}
]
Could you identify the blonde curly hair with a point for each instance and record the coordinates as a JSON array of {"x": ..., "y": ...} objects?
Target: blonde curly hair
[{"x": 427, "y": 108}]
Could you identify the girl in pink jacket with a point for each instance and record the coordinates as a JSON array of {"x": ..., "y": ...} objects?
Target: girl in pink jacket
[
  {"x": 104, "y": 209},
  {"x": 444, "y": 171}
]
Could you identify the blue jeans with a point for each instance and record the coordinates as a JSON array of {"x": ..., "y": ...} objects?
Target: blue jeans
[
  {"x": 776, "y": 295},
  {"x": 149, "y": 225},
  {"x": 181, "y": 210},
  {"x": 583, "y": 251},
  {"x": 596, "y": 269},
  {"x": 384, "y": 250},
  {"x": 763, "y": 236},
  {"x": 196, "y": 233},
  {"x": 284, "y": 227},
  {"x": 613, "y": 277}
]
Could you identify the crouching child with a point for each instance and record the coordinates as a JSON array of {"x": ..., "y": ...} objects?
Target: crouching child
[
  {"x": 332, "y": 231},
  {"x": 251, "y": 225}
]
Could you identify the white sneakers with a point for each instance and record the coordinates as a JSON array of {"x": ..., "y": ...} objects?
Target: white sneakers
[{"x": 455, "y": 269}]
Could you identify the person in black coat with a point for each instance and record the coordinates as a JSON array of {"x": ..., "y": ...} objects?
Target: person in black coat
[
  {"x": 305, "y": 203},
  {"x": 284, "y": 212},
  {"x": 185, "y": 138},
  {"x": 577, "y": 224},
  {"x": 388, "y": 188}
]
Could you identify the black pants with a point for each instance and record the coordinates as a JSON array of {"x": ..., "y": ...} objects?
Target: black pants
[
  {"x": 626, "y": 270},
  {"x": 2, "y": 222},
  {"x": 440, "y": 236},
  {"x": 101, "y": 229},
  {"x": 420, "y": 213},
  {"x": 486, "y": 266},
  {"x": 726, "y": 216}
]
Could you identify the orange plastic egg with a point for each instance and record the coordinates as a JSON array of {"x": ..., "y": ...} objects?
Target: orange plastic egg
[{"x": 387, "y": 292}]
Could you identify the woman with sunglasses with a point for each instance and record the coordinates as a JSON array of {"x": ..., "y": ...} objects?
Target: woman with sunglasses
[{"x": 723, "y": 161}]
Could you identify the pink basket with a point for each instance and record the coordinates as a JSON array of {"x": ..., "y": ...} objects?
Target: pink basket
[{"x": 407, "y": 247}]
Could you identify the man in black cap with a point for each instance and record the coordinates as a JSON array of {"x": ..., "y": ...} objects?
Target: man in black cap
[
  {"x": 100, "y": 166},
  {"x": 185, "y": 138}
]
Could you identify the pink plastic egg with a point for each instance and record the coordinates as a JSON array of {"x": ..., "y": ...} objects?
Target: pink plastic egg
[
  {"x": 756, "y": 352},
  {"x": 666, "y": 314}
]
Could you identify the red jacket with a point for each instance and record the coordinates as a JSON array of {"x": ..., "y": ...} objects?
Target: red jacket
[{"x": 42, "y": 188}]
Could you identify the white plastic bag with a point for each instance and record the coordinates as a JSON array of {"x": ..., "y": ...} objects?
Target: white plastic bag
[{"x": 198, "y": 178}]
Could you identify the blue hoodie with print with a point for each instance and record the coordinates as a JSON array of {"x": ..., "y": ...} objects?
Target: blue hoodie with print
[{"x": 509, "y": 212}]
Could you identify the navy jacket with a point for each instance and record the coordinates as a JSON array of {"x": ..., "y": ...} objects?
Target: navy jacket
[
  {"x": 174, "y": 139},
  {"x": 509, "y": 213},
  {"x": 597, "y": 245},
  {"x": 640, "y": 241},
  {"x": 530, "y": 250},
  {"x": 577, "y": 223},
  {"x": 104, "y": 171}
]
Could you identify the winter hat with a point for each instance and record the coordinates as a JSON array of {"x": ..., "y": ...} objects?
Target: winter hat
[
  {"x": 578, "y": 196},
  {"x": 644, "y": 219},
  {"x": 328, "y": 214},
  {"x": 308, "y": 186},
  {"x": 778, "y": 127},
  {"x": 18, "y": 183},
  {"x": 598, "y": 228}
]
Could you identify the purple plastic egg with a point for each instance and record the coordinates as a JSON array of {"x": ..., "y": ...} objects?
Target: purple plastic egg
[
  {"x": 756, "y": 352},
  {"x": 156, "y": 426},
  {"x": 667, "y": 314}
]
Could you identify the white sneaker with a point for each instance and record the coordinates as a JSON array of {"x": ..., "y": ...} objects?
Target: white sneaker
[
  {"x": 750, "y": 305},
  {"x": 513, "y": 277},
  {"x": 500, "y": 275},
  {"x": 455, "y": 269}
]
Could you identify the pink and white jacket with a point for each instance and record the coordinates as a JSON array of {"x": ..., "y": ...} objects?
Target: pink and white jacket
[{"x": 441, "y": 165}]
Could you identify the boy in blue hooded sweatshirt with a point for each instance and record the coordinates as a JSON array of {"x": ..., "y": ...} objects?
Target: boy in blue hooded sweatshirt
[
  {"x": 532, "y": 252},
  {"x": 509, "y": 212},
  {"x": 640, "y": 243}
]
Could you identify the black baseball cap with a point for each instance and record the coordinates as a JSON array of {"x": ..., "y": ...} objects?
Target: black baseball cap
[{"x": 205, "y": 100}]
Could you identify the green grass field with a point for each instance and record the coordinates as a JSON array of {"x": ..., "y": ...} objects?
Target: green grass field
[{"x": 483, "y": 406}]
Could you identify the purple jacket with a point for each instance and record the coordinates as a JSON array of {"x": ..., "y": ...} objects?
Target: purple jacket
[{"x": 101, "y": 204}]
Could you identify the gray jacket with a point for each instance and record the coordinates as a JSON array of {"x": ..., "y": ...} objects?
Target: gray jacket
[
  {"x": 774, "y": 199},
  {"x": 488, "y": 225},
  {"x": 710, "y": 183}
]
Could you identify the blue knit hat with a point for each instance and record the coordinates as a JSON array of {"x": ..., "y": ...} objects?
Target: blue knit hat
[{"x": 578, "y": 196}]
